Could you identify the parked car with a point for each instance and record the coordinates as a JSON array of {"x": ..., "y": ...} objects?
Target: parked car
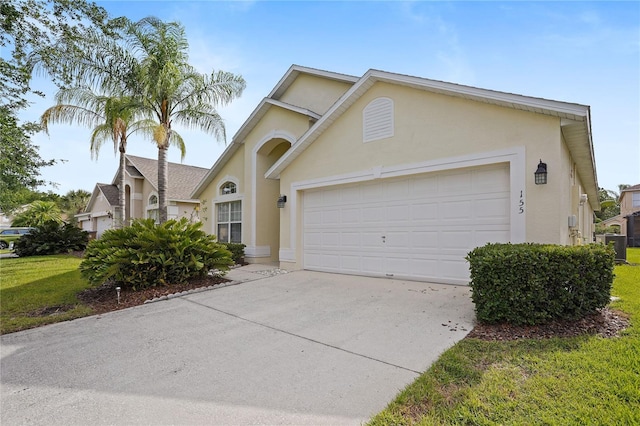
[{"x": 9, "y": 235}]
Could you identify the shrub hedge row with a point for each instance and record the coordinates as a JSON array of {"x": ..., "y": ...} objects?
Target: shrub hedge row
[{"x": 536, "y": 283}]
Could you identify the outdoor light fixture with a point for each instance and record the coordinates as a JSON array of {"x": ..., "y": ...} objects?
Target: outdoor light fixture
[
  {"x": 281, "y": 200},
  {"x": 541, "y": 174}
]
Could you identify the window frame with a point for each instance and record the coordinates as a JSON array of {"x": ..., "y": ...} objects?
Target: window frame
[{"x": 230, "y": 219}]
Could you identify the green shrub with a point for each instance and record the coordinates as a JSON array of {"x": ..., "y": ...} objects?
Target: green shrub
[
  {"x": 146, "y": 255},
  {"x": 535, "y": 283},
  {"x": 237, "y": 251},
  {"x": 51, "y": 238}
]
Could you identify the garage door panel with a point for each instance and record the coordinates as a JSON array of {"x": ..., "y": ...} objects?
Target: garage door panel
[
  {"x": 420, "y": 227},
  {"x": 396, "y": 190},
  {"x": 351, "y": 263},
  {"x": 454, "y": 183},
  {"x": 491, "y": 208},
  {"x": 351, "y": 216},
  {"x": 481, "y": 238},
  {"x": 350, "y": 240},
  {"x": 454, "y": 210},
  {"x": 424, "y": 212},
  {"x": 372, "y": 265},
  {"x": 425, "y": 240}
]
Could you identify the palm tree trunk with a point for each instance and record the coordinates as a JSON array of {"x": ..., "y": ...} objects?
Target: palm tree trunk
[
  {"x": 163, "y": 176},
  {"x": 121, "y": 217}
]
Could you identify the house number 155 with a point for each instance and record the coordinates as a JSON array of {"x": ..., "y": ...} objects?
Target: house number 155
[{"x": 521, "y": 204}]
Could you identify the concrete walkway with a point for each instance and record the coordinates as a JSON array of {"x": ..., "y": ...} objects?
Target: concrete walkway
[{"x": 280, "y": 348}]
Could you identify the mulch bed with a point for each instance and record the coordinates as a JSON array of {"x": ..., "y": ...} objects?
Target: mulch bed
[
  {"x": 606, "y": 323},
  {"x": 105, "y": 299}
]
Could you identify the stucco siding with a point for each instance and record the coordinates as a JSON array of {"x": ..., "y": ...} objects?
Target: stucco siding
[
  {"x": 314, "y": 93},
  {"x": 233, "y": 170},
  {"x": 429, "y": 127}
]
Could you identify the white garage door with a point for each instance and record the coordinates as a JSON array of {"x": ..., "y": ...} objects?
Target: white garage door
[
  {"x": 102, "y": 224},
  {"x": 420, "y": 227}
]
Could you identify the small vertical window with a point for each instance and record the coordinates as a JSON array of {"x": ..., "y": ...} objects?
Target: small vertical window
[
  {"x": 228, "y": 188},
  {"x": 152, "y": 209},
  {"x": 230, "y": 222},
  {"x": 635, "y": 198}
]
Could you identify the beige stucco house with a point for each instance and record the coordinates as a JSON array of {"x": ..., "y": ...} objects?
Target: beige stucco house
[
  {"x": 629, "y": 206},
  {"x": 397, "y": 176},
  {"x": 141, "y": 195}
]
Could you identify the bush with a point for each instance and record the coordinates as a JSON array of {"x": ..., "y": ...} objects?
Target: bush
[
  {"x": 146, "y": 255},
  {"x": 51, "y": 238},
  {"x": 237, "y": 252},
  {"x": 535, "y": 283}
]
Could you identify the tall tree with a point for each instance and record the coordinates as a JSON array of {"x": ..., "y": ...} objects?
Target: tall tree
[
  {"x": 172, "y": 91},
  {"x": 20, "y": 161},
  {"x": 38, "y": 213},
  {"x": 32, "y": 27},
  {"x": 151, "y": 66},
  {"x": 74, "y": 202},
  {"x": 112, "y": 118}
]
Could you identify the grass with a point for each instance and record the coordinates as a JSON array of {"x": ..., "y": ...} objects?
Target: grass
[
  {"x": 40, "y": 290},
  {"x": 572, "y": 381}
]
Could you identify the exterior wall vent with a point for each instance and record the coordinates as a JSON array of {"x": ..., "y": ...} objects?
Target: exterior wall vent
[{"x": 377, "y": 120}]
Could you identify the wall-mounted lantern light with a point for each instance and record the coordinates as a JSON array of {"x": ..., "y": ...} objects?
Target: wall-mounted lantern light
[
  {"x": 281, "y": 200},
  {"x": 541, "y": 173}
]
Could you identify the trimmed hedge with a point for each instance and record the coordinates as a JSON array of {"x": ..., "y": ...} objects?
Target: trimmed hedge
[
  {"x": 146, "y": 255},
  {"x": 51, "y": 238},
  {"x": 536, "y": 283}
]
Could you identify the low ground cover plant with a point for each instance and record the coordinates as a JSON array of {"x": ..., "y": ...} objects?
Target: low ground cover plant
[
  {"x": 51, "y": 238},
  {"x": 145, "y": 254},
  {"x": 536, "y": 283}
]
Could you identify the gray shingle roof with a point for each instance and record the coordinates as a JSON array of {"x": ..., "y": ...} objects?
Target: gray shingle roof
[
  {"x": 110, "y": 192},
  {"x": 182, "y": 178}
]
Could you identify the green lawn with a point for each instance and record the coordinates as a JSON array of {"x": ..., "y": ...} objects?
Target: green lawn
[
  {"x": 31, "y": 284},
  {"x": 572, "y": 381}
]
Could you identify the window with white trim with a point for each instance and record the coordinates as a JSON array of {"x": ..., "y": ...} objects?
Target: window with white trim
[
  {"x": 635, "y": 199},
  {"x": 153, "y": 212},
  {"x": 228, "y": 188},
  {"x": 229, "y": 222},
  {"x": 377, "y": 120}
]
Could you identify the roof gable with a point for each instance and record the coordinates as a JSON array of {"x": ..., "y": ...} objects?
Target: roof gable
[
  {"x": 272, "y": 100},
  {"x": 575, "y": 118},
  {"x": 182, "y": 178},
  {"x": 109, "y": 191}
]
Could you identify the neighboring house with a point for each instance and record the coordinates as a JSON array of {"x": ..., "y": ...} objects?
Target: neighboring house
[
  {"x": 397, "y": 176},
  {"x": 141, "y": 195},
  {"x": 629, "y": 205}
]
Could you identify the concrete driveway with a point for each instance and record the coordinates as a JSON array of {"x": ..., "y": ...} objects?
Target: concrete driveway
[{"x": 297, "y": 348}]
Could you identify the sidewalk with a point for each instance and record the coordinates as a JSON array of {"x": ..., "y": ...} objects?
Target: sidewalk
[{"x": 254, "y": 271}]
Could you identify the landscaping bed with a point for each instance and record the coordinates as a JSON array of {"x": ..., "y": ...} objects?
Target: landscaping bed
[
  {"x": 606, "y": 323},
  {"x": 105, "y": 299}
]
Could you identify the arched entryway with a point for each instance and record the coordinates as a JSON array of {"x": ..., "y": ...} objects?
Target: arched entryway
[{"x": 265, "y": 239}]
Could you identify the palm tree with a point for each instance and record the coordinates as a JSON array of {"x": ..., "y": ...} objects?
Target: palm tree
[
  {"x": 112, "y": 118},
  {"x": 74, "y": 202},
  {"x": 173, "y": 91},
  {"x": 38, "y": 213},
  {"x": 149, "y": 63}
]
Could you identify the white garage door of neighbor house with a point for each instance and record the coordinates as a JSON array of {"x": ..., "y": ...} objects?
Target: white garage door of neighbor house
[
  {"x": 102, "y": 224},
  {"x": 419, "y": 227}
]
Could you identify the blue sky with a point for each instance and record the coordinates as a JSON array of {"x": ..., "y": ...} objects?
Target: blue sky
[{"x": 579, "y": 52}]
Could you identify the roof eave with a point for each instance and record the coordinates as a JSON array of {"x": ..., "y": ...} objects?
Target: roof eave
[{"x": 559, "y": 109}]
